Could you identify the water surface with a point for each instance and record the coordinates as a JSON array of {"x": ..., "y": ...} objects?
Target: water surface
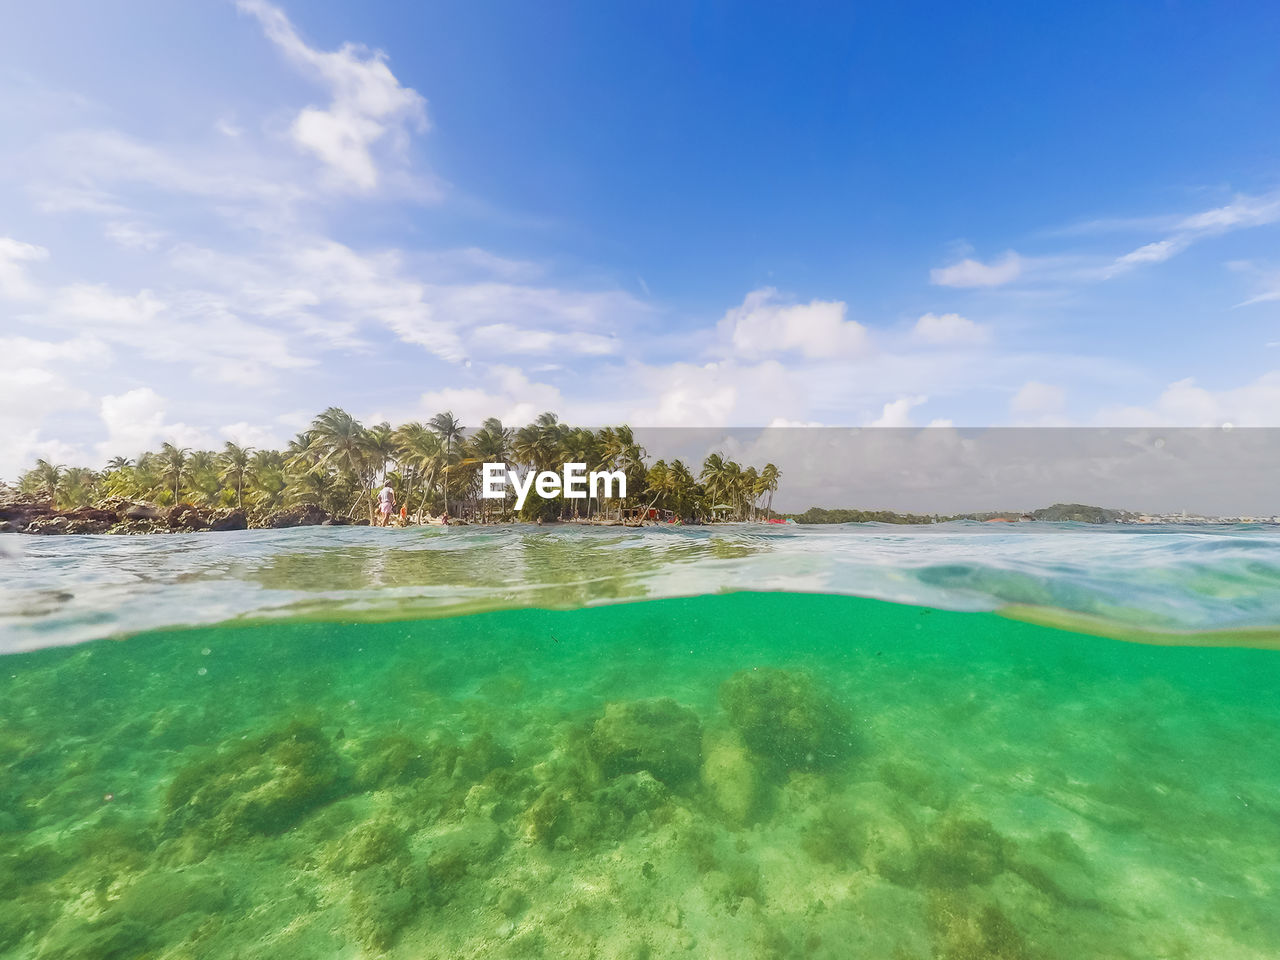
[{"x": 303, "y": 744}]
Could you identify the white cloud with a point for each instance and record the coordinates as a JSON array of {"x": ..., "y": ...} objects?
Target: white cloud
[
  {"x": 1266, "y": 278},
  {"x": 1244, "y": 211},
  {"x": 135, "y": 422},
  {"x": 503, "y": 338},
  {"x": 762, "y": 326},
  {"x": 897, "y": 413},
  {"x": 1186, "y": 404},
  {"x": 82, "y": 304},
  {"x": 29, "y": 396},
  {"x": 368, "y": 103},
  {"x": 133, "y": 236},
  {"x": 949, "y": 328},
  {"x": 254, "y": 435},
  {"x": 15, "y": 284},
  {"x": 508, "y": 394},
  {"x": 974, "y": 273},
  {"x": 1038, "y": 398}
]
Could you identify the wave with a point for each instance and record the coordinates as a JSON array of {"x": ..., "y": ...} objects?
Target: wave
[{"x": 1164, "y": 584}]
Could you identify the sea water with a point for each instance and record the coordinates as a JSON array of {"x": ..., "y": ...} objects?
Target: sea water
[{"x": 726, "y": 742}]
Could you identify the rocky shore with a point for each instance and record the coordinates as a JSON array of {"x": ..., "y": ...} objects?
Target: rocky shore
[{"x": 119, "y": 516}]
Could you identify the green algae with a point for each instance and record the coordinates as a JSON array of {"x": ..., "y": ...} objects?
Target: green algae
[
  {"x": 785, "y": 718},
  {"x": 759, "y": 776}
]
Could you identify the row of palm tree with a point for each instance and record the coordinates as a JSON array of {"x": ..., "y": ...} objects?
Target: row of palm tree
[{"x": 434, "y": 466}]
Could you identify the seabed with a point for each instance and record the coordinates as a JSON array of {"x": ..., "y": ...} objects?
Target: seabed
[{"x": 736, "y": 776}]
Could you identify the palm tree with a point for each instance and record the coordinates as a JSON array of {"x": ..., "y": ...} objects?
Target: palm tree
[
  {"x": 768, "y": 481},
  {"x": 173, "y": 464},
  {"x": 490, "y": 444},
  {"x": 332, "y": 464},
  {"x": 234, "y": 461},
  {"x": 448, "y": 428},
  {"x": 43, "y": 479},
  {"x": 340, "y": 439},
  {"x": 76, "y": 488},
  {"x": 380, "y": 446}
]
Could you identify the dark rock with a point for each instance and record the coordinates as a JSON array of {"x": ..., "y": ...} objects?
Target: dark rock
[
  {"x": 307, "y": 515},
  {"x": 184, "y": 516},
  {"x": 54, "y": 524},
  {"x": 88, "y": 526},
  {"x": 94, "y": 514},
  {"x": 232, "y": 520},
  {"x": 142, "y": 511},
  {"x": 21, "y": 511}
]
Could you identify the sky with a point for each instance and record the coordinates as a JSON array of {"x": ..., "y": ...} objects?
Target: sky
[{"x": 218, "y": 218}]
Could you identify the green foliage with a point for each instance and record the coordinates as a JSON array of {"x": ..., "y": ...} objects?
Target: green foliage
[
  {"x": 337, "y": 463},
  {"x": 1079, "y": 512},
  {"x": 821, "y": 515}
]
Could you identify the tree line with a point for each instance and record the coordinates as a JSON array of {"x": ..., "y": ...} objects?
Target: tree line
[{"x": 434, "y": 467}]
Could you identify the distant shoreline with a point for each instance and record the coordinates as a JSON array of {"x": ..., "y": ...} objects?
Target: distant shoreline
[{"x": 130, "y": 518}]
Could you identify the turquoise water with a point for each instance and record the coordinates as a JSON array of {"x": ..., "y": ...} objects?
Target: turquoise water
[{"x": 367, "y": 743}]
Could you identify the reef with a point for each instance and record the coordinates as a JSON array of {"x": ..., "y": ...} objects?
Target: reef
[
  {"x": 263, "y": 785},
  {"x": 659, "y": 736},
  {"x": 786, "y": 720}
]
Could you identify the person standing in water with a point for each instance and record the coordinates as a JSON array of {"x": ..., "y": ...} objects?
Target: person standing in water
[{"x": 386, "y": 503}]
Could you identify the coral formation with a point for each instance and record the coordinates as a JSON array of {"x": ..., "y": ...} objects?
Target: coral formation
[
  {"x": 659, "y": 736},
  {"x": 785, "y": 719},
  {"x": 730, "y": 777},
  {"x": 260, "y": 786}
]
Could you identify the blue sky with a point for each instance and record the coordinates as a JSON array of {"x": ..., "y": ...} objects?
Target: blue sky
[{"x": 218, "y": 218}]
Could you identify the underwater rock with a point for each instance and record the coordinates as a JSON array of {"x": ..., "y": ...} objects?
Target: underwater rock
[
  {"x": 866, "y": 824},
  {"x": 258, "y": 786},
  {"x": 105, "y": 939},
  {"x": 730, "y": 777},
  {"x": 380, "y": 906},
  {"x": 546, "y": 818},
  {"x": 632, "y": 793},
  {"x": 660, "y": 736},
  {"x": 480, "y": 757},
  {"x": 156, "y": 898},
  {"x": 368, "y": 844},
  {"x": 965, "y": 929},
  {"x": 16, "y": 921},
  {"x": 475, "y": 841},
  {"x": 512, "y": 902},
  {"x": 464, "y": 849},
  {"x": 964, "y": 852},
  {"x": 784, "y": 718},
  {"x": 393, "y": 761}
]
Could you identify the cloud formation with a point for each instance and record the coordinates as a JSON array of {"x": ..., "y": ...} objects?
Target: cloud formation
[
  {"x": 975, "y": 273},
  {"x": 763, "y": 325},
  {"x": 949, "y": 328},
  {"x": 368, "y": 103}
]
